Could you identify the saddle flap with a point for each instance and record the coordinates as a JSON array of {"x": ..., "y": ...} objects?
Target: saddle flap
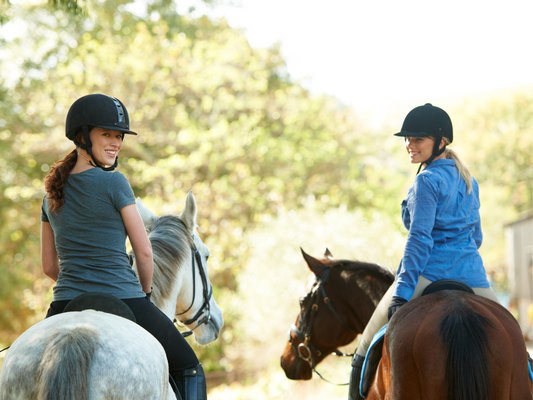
[{"x": 373, "y": 357}]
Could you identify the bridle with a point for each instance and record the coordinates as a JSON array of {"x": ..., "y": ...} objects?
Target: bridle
[
  {"x": 306, "y": 350},
  {"x": 207, "y": 294}
]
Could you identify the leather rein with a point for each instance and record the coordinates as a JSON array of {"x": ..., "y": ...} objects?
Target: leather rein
[
  {"x": 306, "y": 350},
  {"x": 207, "y": 294}
]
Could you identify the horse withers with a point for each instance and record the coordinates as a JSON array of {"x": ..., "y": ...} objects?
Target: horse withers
[{"x": 95, "y": 355}]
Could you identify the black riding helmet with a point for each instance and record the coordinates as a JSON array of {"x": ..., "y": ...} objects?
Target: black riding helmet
[
  {"x": 96, "y": 110},
  {"x": 428, "y": 120}
]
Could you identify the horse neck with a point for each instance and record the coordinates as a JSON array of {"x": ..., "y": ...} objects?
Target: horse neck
[
  {"x": 172, "y": 257},
  {"x": 168, "y": 306},
  {"x": 173, "y": 287},
  {"x": 361, "y": 297}
]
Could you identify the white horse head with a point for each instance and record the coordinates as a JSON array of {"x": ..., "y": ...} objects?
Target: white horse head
[{"x": 181, "y": 284}]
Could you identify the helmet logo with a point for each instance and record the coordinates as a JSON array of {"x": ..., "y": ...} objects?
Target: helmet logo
[{"x": 120, "y": 111}]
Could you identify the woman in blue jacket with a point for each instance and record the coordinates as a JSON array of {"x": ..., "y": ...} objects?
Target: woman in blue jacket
[{"x": 441, "y": 213}]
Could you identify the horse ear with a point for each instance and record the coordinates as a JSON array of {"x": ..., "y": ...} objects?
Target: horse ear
[
  {"x": 314, "y": 265},
  {"x": 188, "y": 214},
  {"x": 328, "y": 254},
  {"x": 146, "y": 214}
]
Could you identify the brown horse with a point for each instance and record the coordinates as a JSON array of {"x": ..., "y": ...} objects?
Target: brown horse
[
  {"x": 452, "y": 345},
  {"x": 338, "y": 287},
  {"x": 448, "y": 345}
]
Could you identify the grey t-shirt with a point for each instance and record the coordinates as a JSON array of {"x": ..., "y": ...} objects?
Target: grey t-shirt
[{"x": 90, "y": 236}]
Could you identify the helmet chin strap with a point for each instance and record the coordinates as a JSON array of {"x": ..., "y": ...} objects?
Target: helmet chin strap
[
  {"x": 88, "y": 146},
  {"x": 436, "y": 152},
  {"x": 96, "y": 164}
]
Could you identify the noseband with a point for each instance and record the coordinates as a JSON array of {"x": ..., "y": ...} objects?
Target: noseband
[
  {"x": 207, "y": 294},
  {"x": 306, "y": 350}
]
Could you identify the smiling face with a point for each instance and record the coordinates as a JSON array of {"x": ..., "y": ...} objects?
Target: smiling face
[
  {"x": 420, "y": 149},
  {"x": 106, "y": 145}
]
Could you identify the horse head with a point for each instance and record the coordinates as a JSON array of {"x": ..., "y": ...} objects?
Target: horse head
[
  {"x": 181, "y": 286},
  {"x": 337, "y": 306}
]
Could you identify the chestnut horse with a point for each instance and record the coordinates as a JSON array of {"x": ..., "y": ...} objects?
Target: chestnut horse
[{"x": 443, "y": 346}]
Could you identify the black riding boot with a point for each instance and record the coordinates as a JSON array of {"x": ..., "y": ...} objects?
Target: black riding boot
[
  {"x": 355, "y": 377},
  {"x": 191, "y": 383}
]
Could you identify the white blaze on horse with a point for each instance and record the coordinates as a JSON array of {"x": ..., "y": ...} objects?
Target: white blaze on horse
[{"x": 92, "y": 355}]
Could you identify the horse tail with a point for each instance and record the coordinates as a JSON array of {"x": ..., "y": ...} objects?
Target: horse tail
[
  {"x": 465, "y": 337},
  {"x": 65, "y": 365}
]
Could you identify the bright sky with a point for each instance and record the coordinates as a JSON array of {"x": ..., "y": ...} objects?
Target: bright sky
[{"x": 369, "y": 53}]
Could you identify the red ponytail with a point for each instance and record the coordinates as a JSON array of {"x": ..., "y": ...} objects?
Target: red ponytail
[{"x": 56, "y": 179}]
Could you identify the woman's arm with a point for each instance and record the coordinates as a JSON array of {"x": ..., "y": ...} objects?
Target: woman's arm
[
  {"x": 478, "y": 235},
  {"x": 142, "y": 248},
  {"x": 422, "y": 206},
  {"x": 49, "y": 260}
]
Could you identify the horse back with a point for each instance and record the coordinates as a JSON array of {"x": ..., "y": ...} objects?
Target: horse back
[
  {"x": 452, "y": 345},
  {"x": 85, "y": 355}
]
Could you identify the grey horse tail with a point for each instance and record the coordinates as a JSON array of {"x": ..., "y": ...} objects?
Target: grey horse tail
[{"x": 66, "y": 363}]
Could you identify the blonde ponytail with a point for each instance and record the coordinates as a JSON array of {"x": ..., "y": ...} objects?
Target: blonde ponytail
[
  {"x": 463, "y": 169},
  {"x": 461, "y": 166}
]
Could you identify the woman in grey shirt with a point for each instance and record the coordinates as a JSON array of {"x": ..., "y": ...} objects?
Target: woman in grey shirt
[{"x": 88, "y": 211}]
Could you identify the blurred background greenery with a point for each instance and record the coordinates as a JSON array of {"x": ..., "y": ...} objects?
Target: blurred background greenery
[{"x": 273, "y": 168}]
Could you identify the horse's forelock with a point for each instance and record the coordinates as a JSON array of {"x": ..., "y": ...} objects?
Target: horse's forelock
[{"x": 171, "y": 243}]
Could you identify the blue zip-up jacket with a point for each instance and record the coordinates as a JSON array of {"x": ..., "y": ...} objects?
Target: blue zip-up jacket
[{"x": 444, "y": 230}]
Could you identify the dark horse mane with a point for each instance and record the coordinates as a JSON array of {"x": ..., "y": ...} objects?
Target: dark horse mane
[{"x": 372, "y": 278}]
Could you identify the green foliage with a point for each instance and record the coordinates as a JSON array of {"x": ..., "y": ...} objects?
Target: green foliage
[
  {"x": 213, "y": 114},
  {"x": 71, "y": 6},
  {"x": 502, "y": 155},
  {"x": 497, "y": 144}
]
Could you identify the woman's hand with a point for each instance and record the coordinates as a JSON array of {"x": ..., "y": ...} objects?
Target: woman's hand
[{"x": 395, "y": 304}]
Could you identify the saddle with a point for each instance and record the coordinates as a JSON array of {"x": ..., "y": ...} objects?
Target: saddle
[
  {"x": 446, "y": 284},
  {"x": 100, "y": 302},
  {"x": 373, "y": 355}
]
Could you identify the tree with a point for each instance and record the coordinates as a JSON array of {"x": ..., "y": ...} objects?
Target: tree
[{"x": 214, "y": 115}]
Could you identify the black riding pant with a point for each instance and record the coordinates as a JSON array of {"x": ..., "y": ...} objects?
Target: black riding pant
[{"x": 180, "y": 355}]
